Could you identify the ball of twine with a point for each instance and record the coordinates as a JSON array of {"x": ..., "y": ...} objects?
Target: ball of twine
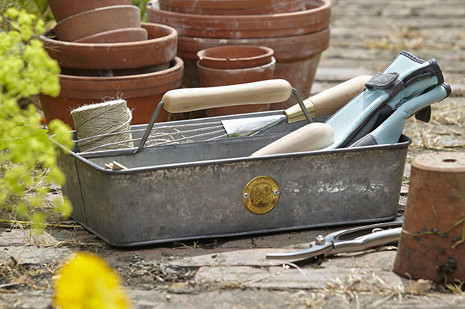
[{"x": 99, "y": 124}]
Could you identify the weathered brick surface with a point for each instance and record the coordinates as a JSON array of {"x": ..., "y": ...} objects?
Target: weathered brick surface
[{"x": 233, "y": 273}]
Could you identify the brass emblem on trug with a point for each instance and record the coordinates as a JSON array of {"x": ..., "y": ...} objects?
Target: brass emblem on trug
[{"x": 261, "y": 195}]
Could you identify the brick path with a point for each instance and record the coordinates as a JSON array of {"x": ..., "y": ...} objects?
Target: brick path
[{"x": 232, "y": 273}]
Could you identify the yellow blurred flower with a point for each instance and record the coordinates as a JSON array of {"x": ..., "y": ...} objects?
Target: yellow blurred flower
[{"x": 86, "y": 281}]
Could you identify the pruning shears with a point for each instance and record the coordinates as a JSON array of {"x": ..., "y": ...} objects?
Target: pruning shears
[{"x": 348, "y": 240}]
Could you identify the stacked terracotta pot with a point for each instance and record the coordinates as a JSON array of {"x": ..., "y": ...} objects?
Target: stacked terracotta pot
[
  {"x": 105, "y": 52},
  {"x": 297, "y": 31},
  {"x": 235, "y": 64}
]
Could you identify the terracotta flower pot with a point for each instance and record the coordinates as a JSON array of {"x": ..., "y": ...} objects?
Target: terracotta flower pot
[
  {"x": 116, "y": 36},
  {"x": 297, "y": 53},
  {"x": 432, "y": 243},
  {"x": 210, "y": 77},
  {"x": 65, "y": 8},
  {"x": 297, "y": 58},
  {"x": 143, "y": 92},
  {"x": 160, "y": 48},
  {"x": 235, "y": 56},
  {"x": 97, "y": 20},
  {"x": 314, "y": 18},
  {"x": 236, "y": 7}
]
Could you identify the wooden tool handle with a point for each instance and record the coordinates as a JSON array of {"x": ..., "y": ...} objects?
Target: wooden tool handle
[
  {"x": 328, "y": 101},
  {"x": 262, "y": 92},
  {"x": 312, "y": 136}
]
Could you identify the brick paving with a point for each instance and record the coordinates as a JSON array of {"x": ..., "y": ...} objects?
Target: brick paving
[{"x": 233, "y": 273}]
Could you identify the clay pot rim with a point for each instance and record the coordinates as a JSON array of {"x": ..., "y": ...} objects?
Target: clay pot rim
[
  {"x": 203, "y": 54},
  {"x": 117, "y": 72},
  {"x": 321, "y": 37},
  {"x": 263, "y": 56},
  {"x": 114, "y": 31},
  {"x": 99, "y": 9},
  {"x": 271, "y": 63},
  {"x": 316, "y": 17},
  {"x": 161, "y": 47},
  {"x": 64, "y": 23},
  {"x": 203, "y": 6},
  {"x": 178, "y": 65},
  {"x": 326, "y": 4},
  {"x": 56, "y": 8},
  {"x": 173, "y": 33}
]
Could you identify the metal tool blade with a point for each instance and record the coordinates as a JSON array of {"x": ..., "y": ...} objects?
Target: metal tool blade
[{"x": 250, "y": 126}]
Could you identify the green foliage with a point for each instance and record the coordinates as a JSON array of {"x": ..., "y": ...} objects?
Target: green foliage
[
  {"x": 36, "y": 7},
  {"x": 28, "y": 164},
  {"x": 39, "y": 8},
  {"x": 142, "y": 4}
]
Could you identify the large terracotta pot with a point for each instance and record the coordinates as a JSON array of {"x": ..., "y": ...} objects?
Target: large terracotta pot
[
  {"x": 237, "y": 64},
  {"x": 236, "y": 7},
  {"x": 65, "y": 8},
  {"x": 297, "y": 53},
  {"x": 314, "y": 18},
  {"x": 97, "y": 20},
  {"x": 143, "y": 92},
  {"x": 160, "y": 48},
  {"x": 297, "y": 58}
]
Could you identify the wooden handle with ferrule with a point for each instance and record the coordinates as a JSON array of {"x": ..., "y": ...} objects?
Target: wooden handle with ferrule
[
  {"x": 313, "y": 136},
  {"x": 262, "y": 92},
  {"x": 328, "y": 101}
]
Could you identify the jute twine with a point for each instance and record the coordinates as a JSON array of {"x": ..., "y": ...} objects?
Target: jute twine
[{"x": 96, "y": 124}]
